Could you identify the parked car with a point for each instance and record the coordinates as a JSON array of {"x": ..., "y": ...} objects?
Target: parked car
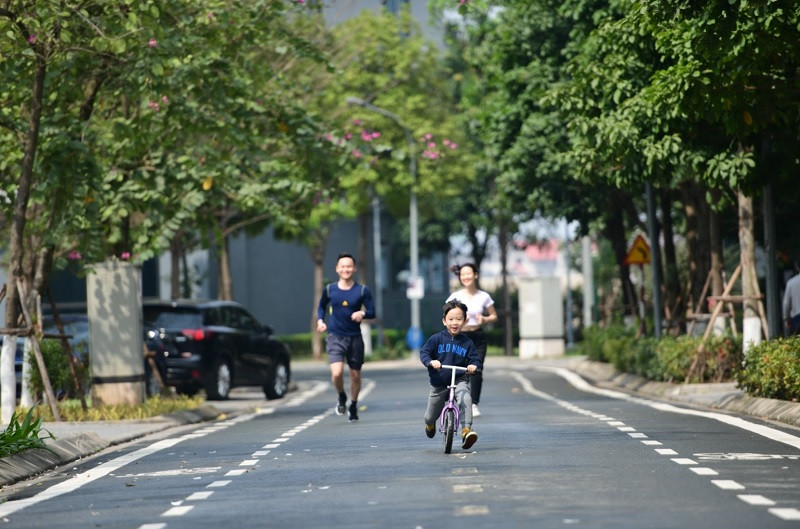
[{"x": 220, "y": 345}]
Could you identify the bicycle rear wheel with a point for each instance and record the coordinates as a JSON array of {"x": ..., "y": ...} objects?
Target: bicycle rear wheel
[{"x": 449, "y": 428}]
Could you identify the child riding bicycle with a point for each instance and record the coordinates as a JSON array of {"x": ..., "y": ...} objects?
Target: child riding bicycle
[{"x": 453, "y": 348}]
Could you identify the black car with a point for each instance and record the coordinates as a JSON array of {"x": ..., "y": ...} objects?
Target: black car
[{"x": 219, "y": 345}]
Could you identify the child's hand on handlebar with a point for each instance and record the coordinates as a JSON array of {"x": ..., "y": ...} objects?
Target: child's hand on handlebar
[
  {"x": 437, "y": 365},
  {"x": 471, "y": 369}
]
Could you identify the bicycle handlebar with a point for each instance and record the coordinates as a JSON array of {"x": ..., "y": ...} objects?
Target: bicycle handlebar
[
  {"x": 457, "y": 368},
  {"x": 453, "y": 370}
]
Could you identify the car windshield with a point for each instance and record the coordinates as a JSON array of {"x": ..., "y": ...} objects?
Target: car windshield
[{"x": 173, "y": 317}]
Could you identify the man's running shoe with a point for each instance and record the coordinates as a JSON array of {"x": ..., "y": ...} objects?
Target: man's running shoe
[
  {"x": 468, "y": 438},
  {"x": 353, "y": 411},
  {"x": 340, "y": 405},
  {"x": 430, "y": 430},
  {"x": 475, "y": 411}
]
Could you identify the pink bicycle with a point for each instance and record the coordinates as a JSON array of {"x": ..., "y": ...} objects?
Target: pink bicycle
[{"x": 450, "y": 417}]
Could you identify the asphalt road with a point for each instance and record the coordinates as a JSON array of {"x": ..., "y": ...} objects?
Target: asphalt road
[{"x": 552, "y": 452}]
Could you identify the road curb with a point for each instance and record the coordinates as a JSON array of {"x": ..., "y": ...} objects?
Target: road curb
[
  {"x": 724, "y": 396},
  {"x": 67, "y": 449}
]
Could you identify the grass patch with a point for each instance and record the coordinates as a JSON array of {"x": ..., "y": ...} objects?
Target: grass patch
[
  {"x": 71, "y": 409},
  {"x": 20, "y": 436}
]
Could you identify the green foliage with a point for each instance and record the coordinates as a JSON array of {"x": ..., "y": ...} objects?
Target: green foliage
[
  {"x": 772, "y": 370},
  {"x": 172, "y": 116},
  {"x": 58, "y": 371},
  {"x": 18, "y": 437},
  {"x": 599, "y": 343},
  {"x": 674, "y": 358},
  {"x": 667, "y": 359}
]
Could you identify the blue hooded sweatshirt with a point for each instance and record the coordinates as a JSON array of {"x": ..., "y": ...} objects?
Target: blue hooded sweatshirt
[{"x": 452, "y": 350}]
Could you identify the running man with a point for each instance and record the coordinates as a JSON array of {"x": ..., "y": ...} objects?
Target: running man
[{"x": 348, "y": 303}]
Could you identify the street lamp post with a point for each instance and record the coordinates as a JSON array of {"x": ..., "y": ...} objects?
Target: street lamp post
[{"x": 415, "y": 331}]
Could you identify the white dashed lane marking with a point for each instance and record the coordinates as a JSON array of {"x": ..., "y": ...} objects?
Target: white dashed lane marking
[
  {"x": 786, "y": 514},
  {"x": 459, "y": 489},
  {"x": 725, "y": 484},
  {"x": 704, "y": 471},
  {"x": 472, "y": 510},
  {"x": 755, "y": 499},
  {"x": 651, "y": 442},
  {"x": 204, "y": 495},
  {"x": 180, "y": 510}
]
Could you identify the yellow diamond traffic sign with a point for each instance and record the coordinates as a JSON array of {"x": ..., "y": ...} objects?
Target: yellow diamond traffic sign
[{"x": 639, "y": 252}]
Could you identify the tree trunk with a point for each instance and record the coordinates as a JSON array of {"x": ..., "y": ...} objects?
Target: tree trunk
[
  {"x": 717, "y": 264},
  {"x": 751, "y": 332},
  {"x": 42, "y": 268},
  {"x": 225, "y": 282},
  {"x": 673, "y": 293},
  {"x": 508, "y": 328},
  {"x": 614, "y": 231},
  {"x": 478, "y": 248},
  {"x": 363, "y": 259},
  {"x": 697, "y": 237},
  {"x": 175, "y": 267},
  {"x": 317, "y": 256},
  {"x": 8, "y": 397}
]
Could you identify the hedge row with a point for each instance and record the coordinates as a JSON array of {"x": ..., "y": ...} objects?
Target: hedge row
[
  {"x": 770, "y": 369},
  {"x": 668, "y": 359}
]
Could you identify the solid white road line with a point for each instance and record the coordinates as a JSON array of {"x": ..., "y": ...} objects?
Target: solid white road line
[{"x": 765, "y": 431}]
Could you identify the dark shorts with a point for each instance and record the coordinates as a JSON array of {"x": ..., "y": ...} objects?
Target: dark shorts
[{"x": 348, "y": 349}]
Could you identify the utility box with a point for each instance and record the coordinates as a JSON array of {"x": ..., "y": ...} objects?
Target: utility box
[
  {"x": 541, "y": 317},
  {"x": 116, "y": 349}
]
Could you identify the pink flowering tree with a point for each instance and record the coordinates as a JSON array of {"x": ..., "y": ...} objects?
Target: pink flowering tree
[{"x": 137, "y": 148}]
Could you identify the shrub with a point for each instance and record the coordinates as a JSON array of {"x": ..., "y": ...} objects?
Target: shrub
[
  {"x": 668, "y": 359},
  {"x": 674, "y": 357},
  {"x": 772, "y": 370},
  {"x": 57, "y": 370},
  {"x": 595, "y": 344}
]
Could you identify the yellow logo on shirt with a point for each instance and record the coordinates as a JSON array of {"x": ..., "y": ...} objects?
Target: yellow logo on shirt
[{"x": 344, "y": 303}]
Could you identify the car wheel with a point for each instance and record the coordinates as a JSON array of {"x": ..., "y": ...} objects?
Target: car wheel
[
  {"x": 219, "y": 384},
  {"x": 278, "y": 383}
]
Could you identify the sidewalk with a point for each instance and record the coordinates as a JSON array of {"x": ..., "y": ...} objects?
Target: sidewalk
[{"x": 76, "y": 440}]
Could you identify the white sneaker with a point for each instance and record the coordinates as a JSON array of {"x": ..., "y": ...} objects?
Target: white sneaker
[{"x": 475, "y": 411}]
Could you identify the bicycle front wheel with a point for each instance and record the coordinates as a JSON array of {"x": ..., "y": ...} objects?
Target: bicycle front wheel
[{"x": 449, "y": 429}]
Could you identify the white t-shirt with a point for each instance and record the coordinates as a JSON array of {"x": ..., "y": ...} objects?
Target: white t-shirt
[{"x": 476, "y": 303}]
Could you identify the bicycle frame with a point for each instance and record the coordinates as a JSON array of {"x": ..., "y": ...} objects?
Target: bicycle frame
[{"x": 450, "y": 404}]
